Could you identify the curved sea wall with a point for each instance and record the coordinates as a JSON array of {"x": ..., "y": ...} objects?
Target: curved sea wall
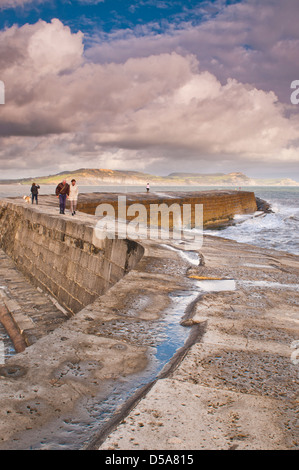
[
  {"x": 63, "y": 256},
  {"x": 219, "y": 207}
]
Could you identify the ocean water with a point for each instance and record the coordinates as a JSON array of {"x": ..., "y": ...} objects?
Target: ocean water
[{"x": 278, "y": 230}]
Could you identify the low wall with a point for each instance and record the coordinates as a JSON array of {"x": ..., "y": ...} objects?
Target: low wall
[
  {"x": 218, "y": 206},
  {"x": 62, "y": 256}
]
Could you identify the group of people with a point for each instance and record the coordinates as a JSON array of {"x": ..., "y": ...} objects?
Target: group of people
[
  {"x": 63, "y": 191},
  {"x": 66, "y": 191}
]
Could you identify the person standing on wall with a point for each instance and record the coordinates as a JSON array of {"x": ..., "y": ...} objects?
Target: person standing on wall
[
  {"x": 34, "y": 192},
  {"x": 62, "y": 192},
  {"x": 73, "y": 196}
]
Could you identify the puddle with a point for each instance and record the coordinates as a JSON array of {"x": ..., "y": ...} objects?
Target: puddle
[
  {"x": 211, "y": 285},
  {"x": 268, "y": 284},
  {"x": 7, "y": 349},
  {"x": 167, "y": 337},
  {"x": 191, "y": 257}
]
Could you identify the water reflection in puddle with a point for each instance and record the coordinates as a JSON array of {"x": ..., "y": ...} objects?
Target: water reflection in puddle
[
  {"x": 168, "y": 337},
  {"x": 7, "y": 349},
  {"x": 211, "y": 285},
  {"x": 268, "y": 284}
]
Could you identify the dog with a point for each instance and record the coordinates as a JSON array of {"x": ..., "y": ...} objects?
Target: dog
[{"x": 26, "y": 199}]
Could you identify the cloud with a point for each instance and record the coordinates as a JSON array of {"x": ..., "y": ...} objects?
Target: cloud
[
  {"x": 156, "y": 111},
  {"x": 5, "y": 4},
  {"x": 254, "y": 42},
  {"x": 90, "y": 2}
]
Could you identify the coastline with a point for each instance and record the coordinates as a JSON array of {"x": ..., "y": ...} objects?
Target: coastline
[{"x": 241, "y": 347}]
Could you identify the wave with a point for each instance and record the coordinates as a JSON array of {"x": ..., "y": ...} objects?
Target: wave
[{"x": 278, "y": 230}]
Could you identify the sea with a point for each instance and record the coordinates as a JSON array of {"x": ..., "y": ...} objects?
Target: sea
[{"x": 278, "y": 230}]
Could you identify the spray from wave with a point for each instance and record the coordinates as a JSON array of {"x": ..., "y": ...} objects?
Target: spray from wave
[{"x": 278, "y": 230}]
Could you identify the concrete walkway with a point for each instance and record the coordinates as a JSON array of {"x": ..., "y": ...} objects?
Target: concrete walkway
[{"x": 237, "y": 388}]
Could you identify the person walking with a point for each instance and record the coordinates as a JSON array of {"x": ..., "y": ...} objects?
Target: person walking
[
  {"x": 73, "y": 196},
  {"x": 62, "y": 192},
  {"x": 34, "y": 192},
  {"x": 147, "y": 187}
]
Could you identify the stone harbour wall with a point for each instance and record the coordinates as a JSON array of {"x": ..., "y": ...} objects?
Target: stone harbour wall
[
  {"x": 62, "y": 256},
  {"x": 219, "y": 207}
]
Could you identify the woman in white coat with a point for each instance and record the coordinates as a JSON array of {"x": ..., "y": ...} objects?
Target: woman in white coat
[{"x": 73, "y": 196}]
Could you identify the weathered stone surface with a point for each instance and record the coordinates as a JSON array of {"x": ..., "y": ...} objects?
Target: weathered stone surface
[
  {"x": 62, "y": 256},
  {"x": 238, "y": 387},
  {"x": 218, "y": 206},
  {"x": 235, "y": 387}
]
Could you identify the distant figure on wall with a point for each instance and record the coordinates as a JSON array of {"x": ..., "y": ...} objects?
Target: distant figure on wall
[
  {"x": 147, "y": 187},
  {"x": 34, "y": 192},
  {"x": 62, "y": 192},
  {"x": 73, "y": 197}
]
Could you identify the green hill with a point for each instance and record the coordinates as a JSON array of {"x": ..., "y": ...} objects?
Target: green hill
[{"x": 98, "y": 177}]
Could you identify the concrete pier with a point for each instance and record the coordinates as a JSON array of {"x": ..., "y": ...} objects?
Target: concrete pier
[{"x": 233, "y": 385}]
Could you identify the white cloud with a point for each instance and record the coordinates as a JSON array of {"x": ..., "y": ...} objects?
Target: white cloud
[
  {"x": 4, "y": 4},
  {"x": 164, "y": 109},
  {"x": 252, "y": 41}
]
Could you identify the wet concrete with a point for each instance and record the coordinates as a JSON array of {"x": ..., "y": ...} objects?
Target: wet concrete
[
  {"x": 189, "y": 350},
  {"x": 60, "y": 391},
  {"x": 236, "y": 388}
]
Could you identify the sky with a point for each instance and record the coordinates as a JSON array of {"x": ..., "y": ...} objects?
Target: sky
[{"x": 153, "y": 86}]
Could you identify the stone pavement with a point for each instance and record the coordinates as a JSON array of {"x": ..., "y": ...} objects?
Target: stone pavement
[
  {"x": 237, "y": 388},
  {"x": 233, "y": 385},
  {"x": 35, "y": 313}
]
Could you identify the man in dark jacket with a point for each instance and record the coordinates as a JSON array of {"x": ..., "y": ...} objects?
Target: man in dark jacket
[
  {"x": 62, "y": 191},
  {"x": 34, "y": 192}
]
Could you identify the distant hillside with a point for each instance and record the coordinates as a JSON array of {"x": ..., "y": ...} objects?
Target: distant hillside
[{"x": 98, "y": 177}]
